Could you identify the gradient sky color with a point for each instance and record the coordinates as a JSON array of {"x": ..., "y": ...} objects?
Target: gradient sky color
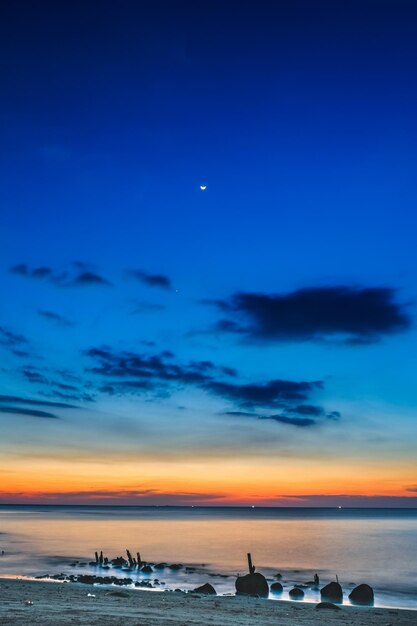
[{"x": 250, "y": 343}]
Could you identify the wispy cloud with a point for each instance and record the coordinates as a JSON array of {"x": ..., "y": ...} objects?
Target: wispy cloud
[
  {"x": 151, "y": 280},
  {"x": 56, "y": 318},
  {"x": 78, "y": 275}
]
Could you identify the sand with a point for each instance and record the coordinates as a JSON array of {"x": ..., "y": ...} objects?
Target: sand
[{"x": 62, "y": 604}]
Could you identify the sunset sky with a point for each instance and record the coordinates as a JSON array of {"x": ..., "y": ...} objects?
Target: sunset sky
[{"x": 250, "y": 343}]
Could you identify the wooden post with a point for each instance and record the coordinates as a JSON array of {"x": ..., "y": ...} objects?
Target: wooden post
[
  {"x": 101, "y": 558},
  {"x": 96, "y": 553},
  {"x": 251, "y": 567},
  {"x": 129, "y": 557},
  {"x": 139, "y": 559}
]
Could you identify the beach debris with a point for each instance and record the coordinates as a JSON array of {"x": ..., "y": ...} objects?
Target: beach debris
[
  {"x": 253, "y": 584},
  {"x": 327, "y": 605},
  {"x": 332, "y": 592},
  {"x": 362, "y": 594},
  {"x": 91, "y": 595},
  {"x": 118, "y": 594},
  {"x": 276, "y": 587},
  {"x": 296, "y": 593},
  {"x": 206, "y": 589}
]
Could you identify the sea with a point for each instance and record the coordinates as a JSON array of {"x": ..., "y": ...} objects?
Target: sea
[{"x": 373, "y": 546}]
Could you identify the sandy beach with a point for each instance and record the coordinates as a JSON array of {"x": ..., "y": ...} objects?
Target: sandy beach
[{"x": 68, "y": 604}]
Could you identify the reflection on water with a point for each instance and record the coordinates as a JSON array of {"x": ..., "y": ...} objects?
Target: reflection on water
[{"x": 373, "y": 546}]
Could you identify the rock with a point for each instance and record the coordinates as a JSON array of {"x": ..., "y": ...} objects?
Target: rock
[
  {"x": 207, "y": 589},
  {"x": 252, "y": 585},
  {"x": 296, "y": 593},
  {"x": 332, "y": 592},
  {"x": 175, "y": 566},
  {"x": 276, "y": 587},
  {"x": 327, "y": 605},
  {"x": 146, "y": 569},
  {"x": 160, "y": 566},
  {"x": 278, "y": 575},
  {"x": 362, "y": 594}
]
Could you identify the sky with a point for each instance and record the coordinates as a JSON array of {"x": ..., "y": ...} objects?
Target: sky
[{"x": 250, "y": 343}]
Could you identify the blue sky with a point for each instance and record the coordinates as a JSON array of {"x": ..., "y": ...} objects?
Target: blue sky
[{"x": 300, "y": 120}]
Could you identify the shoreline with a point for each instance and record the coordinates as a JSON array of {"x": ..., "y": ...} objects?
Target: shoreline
[{"x": 65, "y": 604}]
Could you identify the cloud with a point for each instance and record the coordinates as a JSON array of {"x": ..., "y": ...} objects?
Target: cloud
[
  {"x": 147, "y": 372},
  {"x": 58, "y": 388},
  {"x": 283, "y": 419},
  {"x": 27, "y": 412},
  {"x": 274, "y": 393},
  {"x": 79, "y": 275},
  {"x": 127, "y": 496},
  {"x": 151, "y": 280},
  {"x": 38, "y": 272},
  {"x": 346, "y": 314},
  {"x": 55, "y": 318},
  {"x": 84, "y": 279},
  {"x": 34, "y": 402},
  {"x": 10, "y": 338},
  {"x": 160, "y": 375},
  {"x": 13, "y": 342}
]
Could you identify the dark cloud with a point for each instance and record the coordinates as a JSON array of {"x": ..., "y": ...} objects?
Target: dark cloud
[
  {"x": 151, "y": 280},
  {"x": 307, "y": 409},
  {"x": 301, "y": 422},
  {"x": 84, "y": 279},
  {"x": 160, "y": 375},
  {"x": 79, "y": 275},
  {"x": 55, "y": 318},
  {"x": 29, "y": 401},
  {"x": 348, "y": 314},
  {"x": 147, "y": 372},
  {"x": 27, "y": 412},
  {"x": 15, "y": 343},
  {"x": 274, "y": 393},
  {"x": 38, "y": 272},
  {"x": 11, "y": 339},
  {"x": 57, "y": 388}
]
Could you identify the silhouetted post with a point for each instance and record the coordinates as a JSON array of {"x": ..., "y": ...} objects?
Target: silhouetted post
[
  {"x": 101, "y": 558},
  {"x": 251, "y": 567},
  {"x": 96, "y": 553},
  {"x": 129, "y": 558},
  {"x": 139, "y": 559}
]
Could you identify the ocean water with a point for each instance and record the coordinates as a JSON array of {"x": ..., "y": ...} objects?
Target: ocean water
[{"x": 376, "y": 546}]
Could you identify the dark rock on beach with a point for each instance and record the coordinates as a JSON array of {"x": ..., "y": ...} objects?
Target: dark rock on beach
[
  {"x": 146, "y": 569},
  {"x": 296, "y": 593},
  {"x": 160, "y": 565},
  {"x": 276, "y": 587},
  {"x": 206, "y": 589},
  {"x": 175, "y": 566},
  {"x": 252, "y": 585},
  {"x": 332, "y": 592},
  {"x": 327, "y": 605},
  {"x": 362, "y": 594}
]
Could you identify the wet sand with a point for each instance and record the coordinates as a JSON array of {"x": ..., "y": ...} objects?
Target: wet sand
[{"x": 62, "y": 604}]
